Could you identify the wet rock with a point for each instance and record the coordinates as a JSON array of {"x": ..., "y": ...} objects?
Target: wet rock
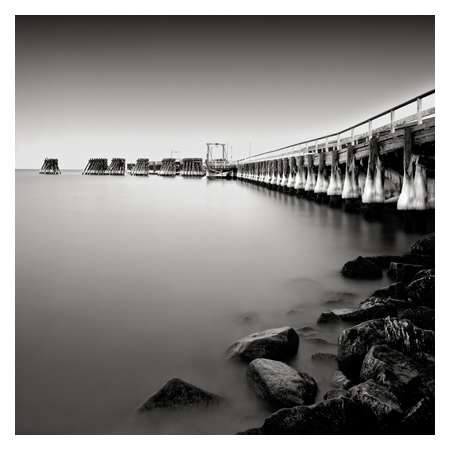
[
  {"x": 280, "y": 384},
  {"x": 424, "y": 246},
  {"x": 384, "y": 261},
  {"x": 402, "y": 335},
  {"x": 403, "y": 272},
  {"x": 424, "y": 273},
  {"x": 420, "y": 418},
  {"x": 371, "y": 308},
  {"x": 340, "y": 380},
  {"x": 177, "y": 393},
  {"x": 361, "y": 268},
  {"x": 421, "y": 317},
  {"x": 277, "y": 343},
  {"x": 338, "y": 298},
  {"x": 335, "y": 393},
  {"x": 420, "y": 260},
  {"x": 421, "y": 291},
  {"x": 390, "y": 368},
  {"x": 394, "y": 290},
  {"x": 324, "y": 357},
  {"x": 423, "y": 385},
  {"x": 380, "y": 402},
  {"x": 335, "y": 416}
]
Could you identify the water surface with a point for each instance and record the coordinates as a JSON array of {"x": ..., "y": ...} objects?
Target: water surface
[{"x": 125, "y": 282}]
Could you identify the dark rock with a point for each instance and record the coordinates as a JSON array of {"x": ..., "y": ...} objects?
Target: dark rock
[
  {"x": 177, "y": 393},
  {"x": 335, "y": 416},
  {"x": 277, "y": 343},
  {"x": 252, "y": 431},
  {"x": 319, "y": 341},
  {"x": 420, "y": 418},
  {"x": 421, "y": 291},
  {"x": 280, "y": 384},
  {"x": 424, "y": 246},
  {"x": 371, "y": 308},
  {"x": 335, "y": 393},
  {"x": 424, "y": 273},
  {"x": 420, "y": 260},
  {"x": 324, "y": 357},
  {"x": 340, "y": 380},
  {"x": 394, "y": 290},
  {"x": 384, "y": 261},
  {"x": 390, "y": 368},
  {"x": 403, "y": 272},
  {"x": 421, "y": 317},
  {"x": 422, "y": 386},
  {"x": 401, "y": 335},
  {"x": 380, "y": 402},
  {"x": 362, "y": 268},
  {"x": 338, "y": 298},
  {"x": 306, "y": 330}
]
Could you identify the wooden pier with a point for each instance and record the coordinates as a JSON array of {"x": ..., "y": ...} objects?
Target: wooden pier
[
  {"x": 393, "y": 163},
  {"x": 50, "y": 167}
]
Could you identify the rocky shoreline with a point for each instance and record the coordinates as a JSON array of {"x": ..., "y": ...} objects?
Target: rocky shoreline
[{"x": 384, "y": 383}]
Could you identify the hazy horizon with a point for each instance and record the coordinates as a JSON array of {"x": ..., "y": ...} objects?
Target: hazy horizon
[{"x": 143, "y": 86}]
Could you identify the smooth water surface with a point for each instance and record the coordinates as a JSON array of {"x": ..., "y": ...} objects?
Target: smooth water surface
[{"x": 125, "y": 282}]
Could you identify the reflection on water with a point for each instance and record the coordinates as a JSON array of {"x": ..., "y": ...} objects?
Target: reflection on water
[{"x": 125, "y": 282}]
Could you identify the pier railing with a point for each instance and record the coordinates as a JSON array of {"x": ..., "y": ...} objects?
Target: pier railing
[{"x": 338, "y": 140}]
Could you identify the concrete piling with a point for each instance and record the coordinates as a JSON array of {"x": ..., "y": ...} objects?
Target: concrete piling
[{"x": 50, "y": 167}]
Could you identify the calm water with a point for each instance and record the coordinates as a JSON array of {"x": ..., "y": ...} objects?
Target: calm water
[{"x": 125, "y": 282}]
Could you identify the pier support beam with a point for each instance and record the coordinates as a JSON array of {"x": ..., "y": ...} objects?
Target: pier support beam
[
  {"x": 351, "y": 193},
  {"x": 334, "y": 191},
  {"x": 321, "y": 187},
  {"x": 310, "y": 177},
  {"x": 300, "y": 177}
]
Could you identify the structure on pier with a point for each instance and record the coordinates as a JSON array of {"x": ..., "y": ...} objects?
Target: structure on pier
[
  {"x": 117, "y": 166},
  {"x": 96, "y": 166},
  {"x": 50, "y": 167},
  {"x": 390, "y": 164},
  {"x": 154, "y": 167},
  {"x": 192, "y": 167},
  {"x": 141, "y": 168},
  {"x": 168, "y": 167}
]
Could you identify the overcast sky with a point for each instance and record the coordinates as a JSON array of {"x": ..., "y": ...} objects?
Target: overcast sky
[{"x": 145, "y": 86}]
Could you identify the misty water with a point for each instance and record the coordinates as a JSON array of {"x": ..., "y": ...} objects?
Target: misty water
[{"x": 125, "y": 282}]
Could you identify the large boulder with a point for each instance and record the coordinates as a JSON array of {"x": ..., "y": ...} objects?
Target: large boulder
[
  {"x": 335, "y": 416},
  {"x": 421, "y": 291},
  {"x": 335, "y": 393},
  {"x": 340, "y": 381},
  {"x": 420, "y": 418},
  {"x": 421, "y": 317},
  {"x": 177, "y": 393},
  {"x": 424, "y": 245},
  {"x": 403, "y": 273},
  {"x": 277, "y": 343},
  {"x": 280, "y": 384},
  {"x": 402, "y": 335},
  {"x": 362, "y": 268},
  {"x": 392, "y": 369},
  {"x": 380, "y": 402}
]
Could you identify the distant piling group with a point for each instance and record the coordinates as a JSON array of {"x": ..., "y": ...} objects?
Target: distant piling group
[
  {"x": 96, "y": 166},
  {"x": 192, "y": 167},
  {"x": 168, "y": 167},
  {"x": 117, "y": 166},
  {"x": 50, "y": 167},
  {"x": 141, "y": 168}
]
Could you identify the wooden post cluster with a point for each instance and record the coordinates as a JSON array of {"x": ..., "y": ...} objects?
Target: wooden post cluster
[
  {"x": 96, "y": 166},
  {"x": 168, "y": 167},
  {"x": 192, "y": 167},
  {"x": 141, "y": 168},
  {"x": 117, "y": 166},
  {"x": 50, "y": 167}
]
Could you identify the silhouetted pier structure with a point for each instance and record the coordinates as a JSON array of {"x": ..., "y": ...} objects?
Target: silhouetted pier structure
[
  {"x": 168, "y": 167},
  {"x": 360, "y": 166},
  {"x": 96, "y": 166},
  {"x": 117, "y": 166},
  {"x": 192, "y": 167},
  {"x": 50, "y": 167},
  {"x": 141, "y": 168}
]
